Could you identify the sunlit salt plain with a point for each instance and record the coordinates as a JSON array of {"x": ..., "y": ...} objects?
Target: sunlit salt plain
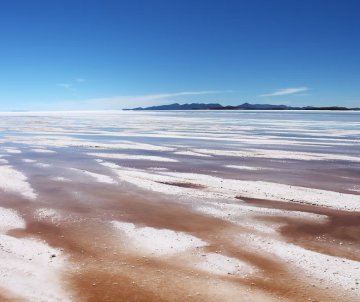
[{"x": 180, "y": 206}]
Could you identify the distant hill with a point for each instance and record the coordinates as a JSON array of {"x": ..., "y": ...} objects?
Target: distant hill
[
  {"x": 244, "y": 106},
  {"x": 177, "y": 106}
]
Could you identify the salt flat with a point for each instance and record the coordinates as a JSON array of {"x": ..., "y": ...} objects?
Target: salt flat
[{"x": 110, "y": 204}]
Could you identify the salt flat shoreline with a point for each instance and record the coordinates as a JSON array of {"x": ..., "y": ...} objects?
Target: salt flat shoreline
[{"x": 118, "y": 207}]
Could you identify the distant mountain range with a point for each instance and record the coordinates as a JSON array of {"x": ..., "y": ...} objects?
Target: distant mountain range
[{"x": 245, "y": 106}]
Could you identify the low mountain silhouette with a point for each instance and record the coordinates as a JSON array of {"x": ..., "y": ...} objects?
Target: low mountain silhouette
[
  {"x": 177, "y": 106},
  {"x": 244, "y": 106}
]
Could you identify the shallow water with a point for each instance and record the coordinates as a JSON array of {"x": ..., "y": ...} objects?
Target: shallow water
[{"x": 243, "y": 183}]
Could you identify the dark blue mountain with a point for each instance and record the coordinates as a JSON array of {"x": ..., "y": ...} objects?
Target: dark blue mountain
[
  {"x": 177, "y": 106},
  {"x": 244, "y": 106}
]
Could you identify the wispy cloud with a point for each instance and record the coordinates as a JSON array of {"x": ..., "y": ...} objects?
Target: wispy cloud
[
  {"x": 65, "y": 85},
  {"x": 72, "y": 85},
  {"x": 142, "y": 100},
  {"x": 285, "y": 91},
  {"x": 129, "y": 101}
]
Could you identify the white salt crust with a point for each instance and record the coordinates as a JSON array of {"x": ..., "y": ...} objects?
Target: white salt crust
[
  {"x": 133, "y": 157},
  {"x": 215, "y": 187},
  {"x": 163, "y": 242},
  {"x": 67, "y": 141},
  {"x": 40, "y": 150},
  {"x": 98, "y": 177},
  {"x": 14, "y": 181},
  {"x": 60, "y": 178},
  {"x": 28, "y": 160},
  {"x": 247, "y": 216},
  {"x": 222, "y": 265},
  {"x": 191, "y": 153},
  {"x": 157, "y": 242},
  {"x": 43, "y": 165},
  {"x": 278, "y": 154},
  {"x": 248, "y": 168},
  {"x": 29, "y": 268},
  {"x": 322, "y": 269},
  {"x": 9, "y": 219},
  {"x": 47, "y": 214},
  {"x": 12, "y": 150},
  {"x": 3, "y": 161}
]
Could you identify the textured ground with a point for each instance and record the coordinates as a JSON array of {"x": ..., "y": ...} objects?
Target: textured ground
[{"x": 178, "y": 206}]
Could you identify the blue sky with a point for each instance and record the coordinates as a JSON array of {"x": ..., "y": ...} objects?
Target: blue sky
[{"x": 65, "y": 55}]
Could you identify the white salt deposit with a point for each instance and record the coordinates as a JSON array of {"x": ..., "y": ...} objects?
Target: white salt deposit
[
  {"x": 14, "y": 181},
  {"x": 9, "y": 219},
  {"x": 40, "y": 150},
  {"x": 109, "y": 165},
  {"x": 60, "y": 178},
  {"x": 223, "y": 265},
  {"x": 278, "y": 154},
  {"x": 29, "y": 268},
  {"x": 191, "y": 153},
  {"x": 215, "y": 187},
  {"x": 249, "y": 168},
  {"x": 133, "y": 157},
  {"x": 247, "y": 216},
  {"x": 47, "y": 214},
  {"x": 12, "y": 150},
  {"x": 42, "y": 142},
  {"x": 158, "y": 169},
  {"x": 98, "y": 177},
  {"x": 42, "y": 165},
  {"x": 325, "y": 270},
  {"x": 3, "y": 161},
  {"x": 28, "y": 160},
  {"x": 157, "y": 241}
]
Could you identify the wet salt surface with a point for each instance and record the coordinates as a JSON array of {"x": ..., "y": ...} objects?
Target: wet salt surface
[
  {"x": 12, "y": 180},
  {"x": 176, "y": 195},
  {"x": 157, "y": 241},
  {"x": 322, "y": 269},
  {"x": 29, "y": 268}
]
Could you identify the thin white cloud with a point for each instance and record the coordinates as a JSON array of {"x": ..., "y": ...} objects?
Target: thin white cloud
[
  {"x": 285, "y": 91},
  {"x": 125, "y": 101},
  {"x": 80, "y": 80},
  {"x": 65, "y": 85},
  {"x": 145, "y": 99}
]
